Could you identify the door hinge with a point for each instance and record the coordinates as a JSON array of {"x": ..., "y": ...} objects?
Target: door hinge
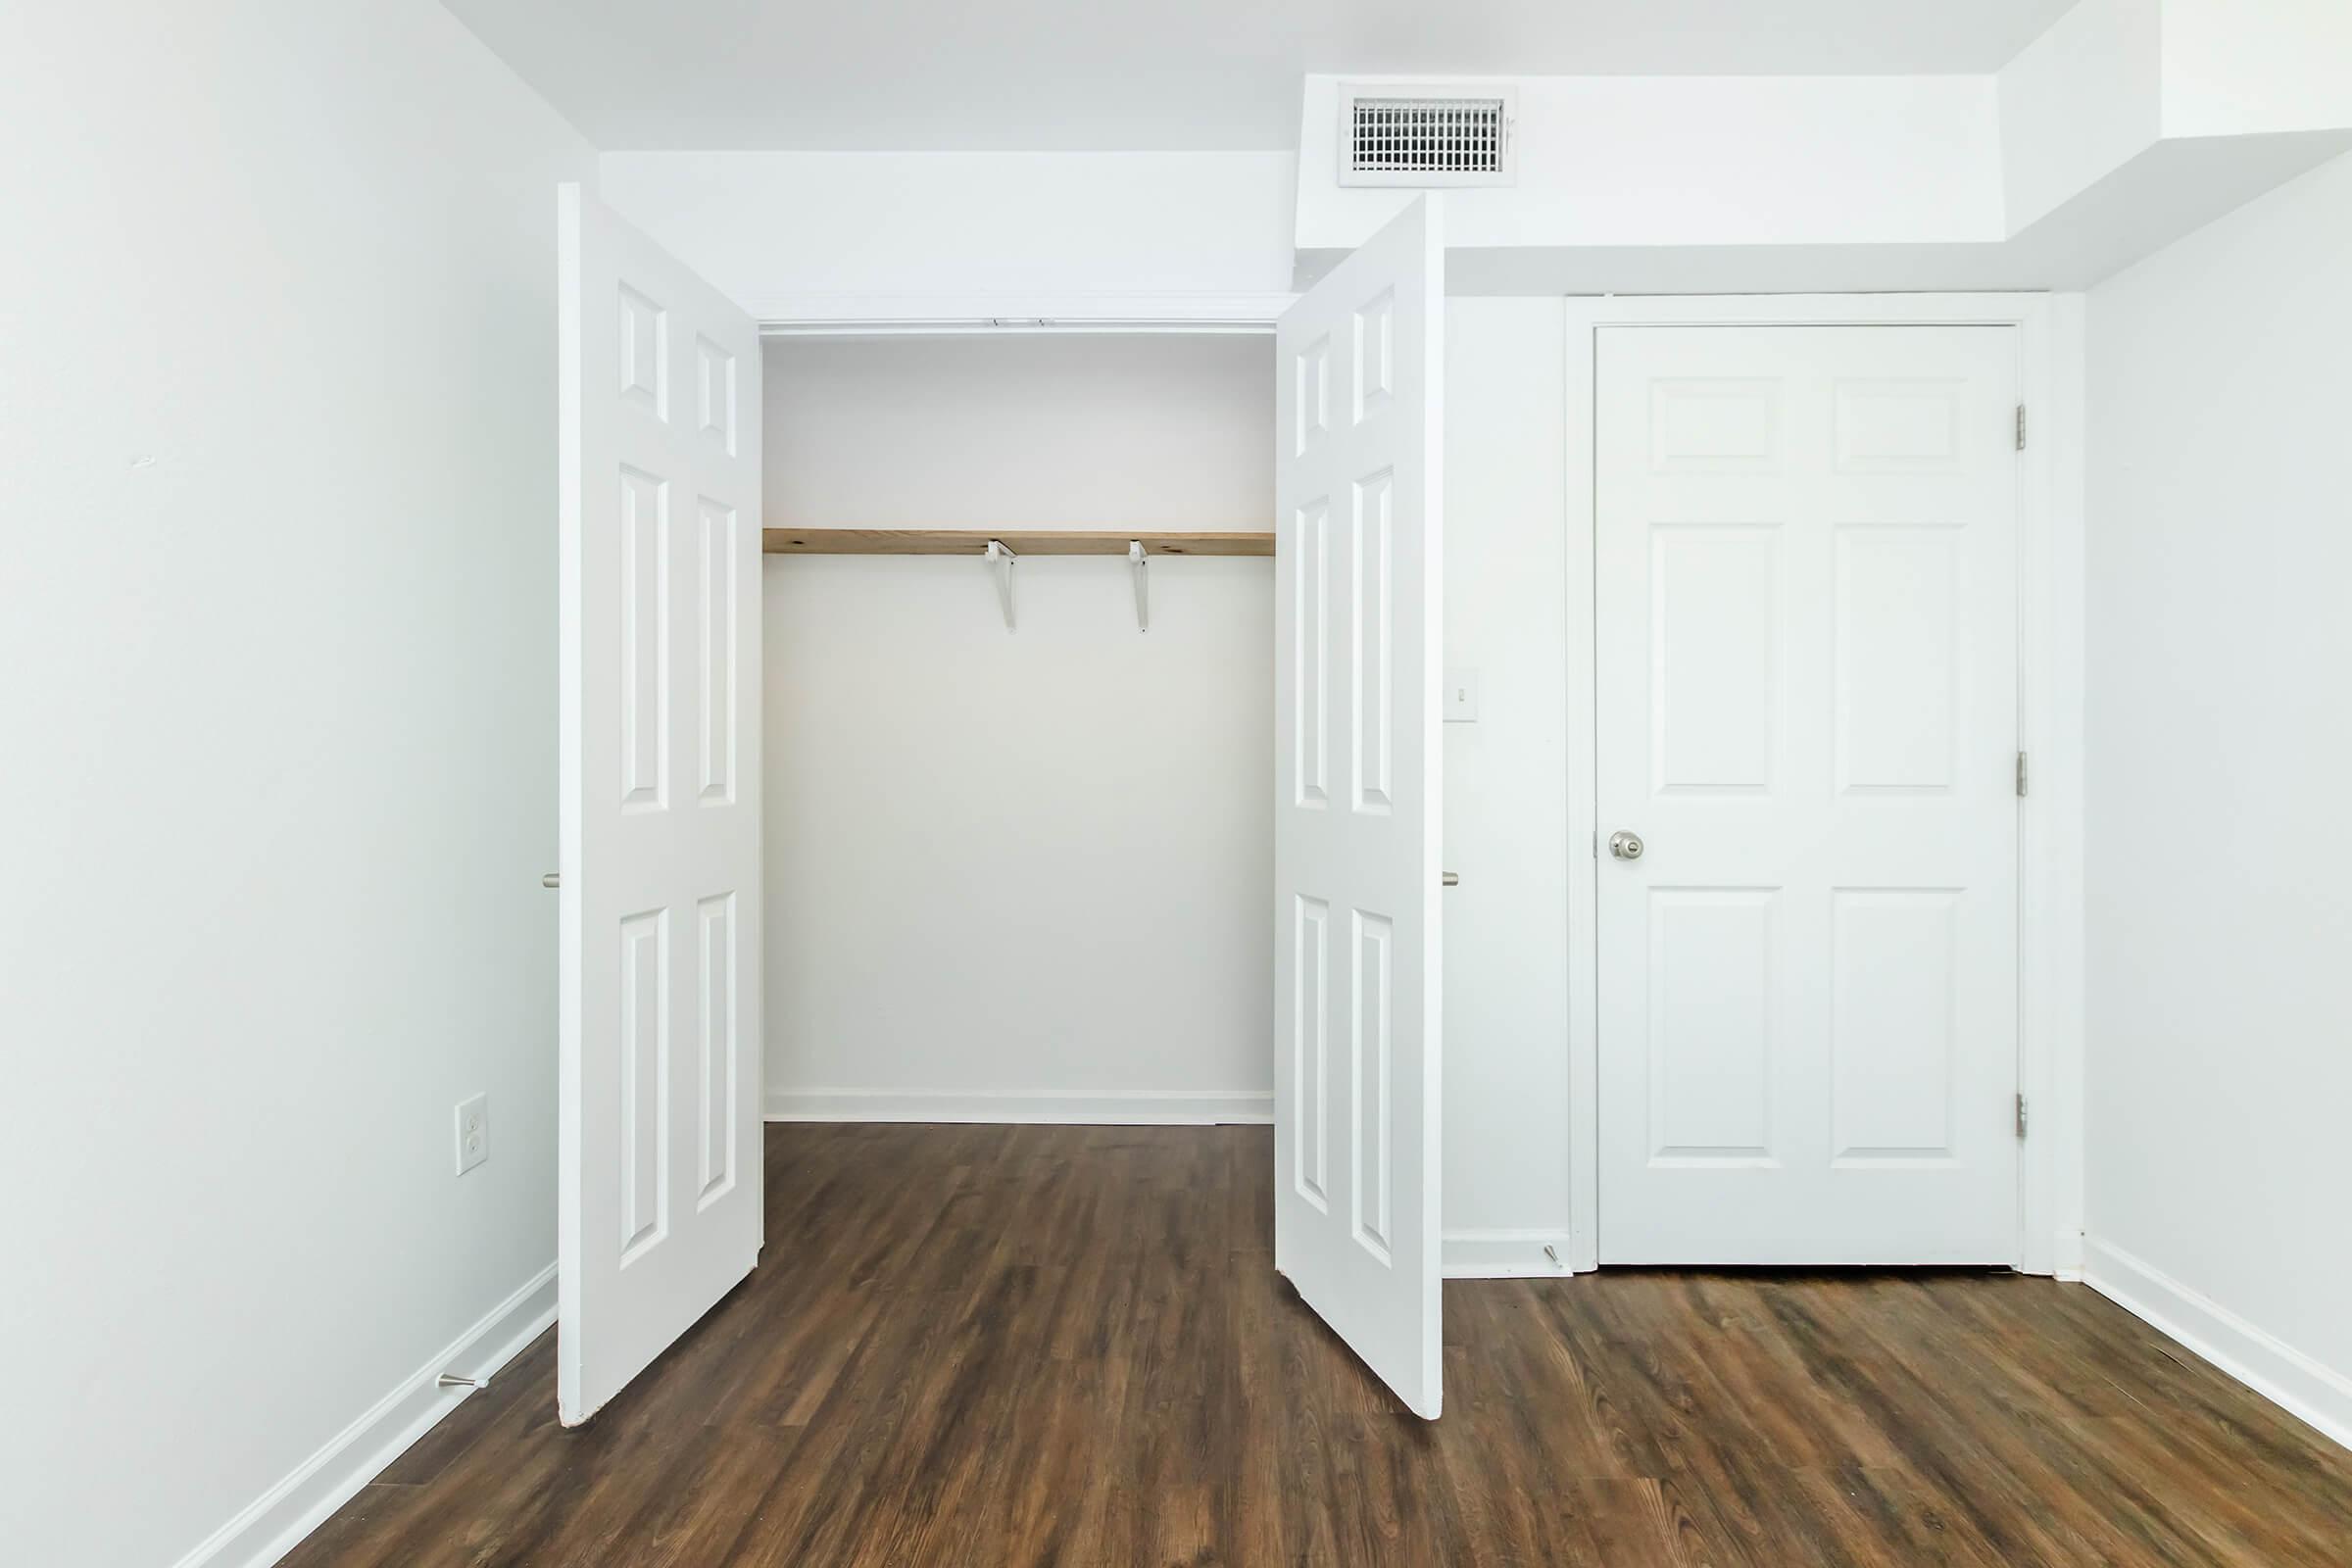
[
  {"x": 2020, "y": 1115},
  {"x": 2021, "y": 427},
  {"x": 2021, "y": 775}
]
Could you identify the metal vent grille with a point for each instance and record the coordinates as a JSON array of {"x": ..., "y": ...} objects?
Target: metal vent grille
[
  {"x": 1428, "y": 135},
  {"x": 1425, "y": 137}
]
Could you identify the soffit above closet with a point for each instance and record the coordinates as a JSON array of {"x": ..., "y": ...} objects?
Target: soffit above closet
[{"x": 1044, "y": 76}]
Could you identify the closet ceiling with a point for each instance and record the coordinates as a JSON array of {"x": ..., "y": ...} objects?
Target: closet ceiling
[{"x": 1138, "y": 74}]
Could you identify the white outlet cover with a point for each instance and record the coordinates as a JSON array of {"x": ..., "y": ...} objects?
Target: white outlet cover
[
  {"x": 474, "y": 1131},
  {"x": 1461, "y": 697}
]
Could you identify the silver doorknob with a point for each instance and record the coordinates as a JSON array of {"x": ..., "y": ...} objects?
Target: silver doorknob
[
  {"x": 1451, "y": 879},
  {"x": 1625, "y": 846},
  {"x": 553, "y": 879}
]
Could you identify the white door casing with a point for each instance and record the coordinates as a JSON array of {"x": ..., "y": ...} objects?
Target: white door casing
[
  {"x": 1805, "y": 599},
  {"x": 1359, "y": 370},
  {"x": 659, "y": 1172}
]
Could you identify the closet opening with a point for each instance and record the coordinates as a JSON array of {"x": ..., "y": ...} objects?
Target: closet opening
[{"x": 1018, "y": 824}]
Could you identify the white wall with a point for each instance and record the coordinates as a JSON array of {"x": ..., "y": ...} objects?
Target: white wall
[
  {"x": 2131, "y": 123},
  {"x": 2128, "y": 123},
  {"x": 1716, "y": 161},
  {"x": 1507, "y": 786},
  {"x": 277, "y": 623},
  {"x": 2078, "y": 103},
  {"x": 1023, "y": 873},
  {"x": 2218, "y": 737},
  {"x": 861, "y": 235},
  {"x": 2234, "y": 67}
]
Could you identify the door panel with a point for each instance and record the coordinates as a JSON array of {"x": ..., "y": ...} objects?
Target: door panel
[
  {"x": 1805, "y": 642},
  {"x": 1359, "y": 365},
  {"x": 659, "y": 1192}
]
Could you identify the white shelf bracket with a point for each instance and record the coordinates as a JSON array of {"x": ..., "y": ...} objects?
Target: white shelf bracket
[
  {"x": 1002, "y": 559},
  {"x": 1143, "y": 591}
]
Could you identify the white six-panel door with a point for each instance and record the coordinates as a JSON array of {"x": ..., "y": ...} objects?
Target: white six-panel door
[
  {"x": 1359, "y": 367},
  {"x": 659, "y": 1179},
  {"x": 1806, "y": 650}
]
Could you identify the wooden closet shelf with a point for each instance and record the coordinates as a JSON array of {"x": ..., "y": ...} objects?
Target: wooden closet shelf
[{"x": 1021, "y": 542}]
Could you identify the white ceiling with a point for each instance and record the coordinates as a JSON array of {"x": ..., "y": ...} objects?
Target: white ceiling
[{"x": 1134, "y": 75}]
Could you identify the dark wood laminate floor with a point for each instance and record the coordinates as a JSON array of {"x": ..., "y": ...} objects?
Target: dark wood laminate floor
[{"x": 1026, "y": 1345}]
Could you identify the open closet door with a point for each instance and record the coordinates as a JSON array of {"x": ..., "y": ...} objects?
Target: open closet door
[
  {"x": 1359, "y": 371},
  {"x": 657, "y": 1178}
]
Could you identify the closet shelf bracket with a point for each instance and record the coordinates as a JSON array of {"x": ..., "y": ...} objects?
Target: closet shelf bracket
[
  {"x": 1143, "y": 592},
  {"x": 1002, "y": 559}
]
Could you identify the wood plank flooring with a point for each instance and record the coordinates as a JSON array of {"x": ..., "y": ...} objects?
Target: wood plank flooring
[{"x": 984, "y": 1345}]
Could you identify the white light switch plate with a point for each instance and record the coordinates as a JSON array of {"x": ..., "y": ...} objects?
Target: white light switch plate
[
  {"x": 1461, "y": 697},
  {"x": 473, "y": 1133}
]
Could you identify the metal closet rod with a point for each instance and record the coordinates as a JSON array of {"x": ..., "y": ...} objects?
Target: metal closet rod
[{"x": 1023, "y": 542}]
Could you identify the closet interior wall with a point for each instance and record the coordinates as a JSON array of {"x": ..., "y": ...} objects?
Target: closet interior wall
[{"x": 1018, "y": 874}]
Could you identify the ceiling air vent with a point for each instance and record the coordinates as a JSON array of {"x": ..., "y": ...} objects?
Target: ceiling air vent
[{"x": 1435, "y": 136}]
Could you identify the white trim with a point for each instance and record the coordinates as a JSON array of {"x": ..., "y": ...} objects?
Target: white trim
[
  {"x": 2302, "y": 1386},
  {"x": 275, "y": 1522},
  {"x": 948, "y": 314},
  {"x": 2049, "y": 717},
  {"x": 1135, "y": 1108},
  {"x": 1584, "y": 808},
  {"x": 2050, "y": 686},
  {"x": 1505, "y": 1255}
]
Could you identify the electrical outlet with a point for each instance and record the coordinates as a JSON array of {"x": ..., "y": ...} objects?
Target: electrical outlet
[{"x": 473, "y": 1133}]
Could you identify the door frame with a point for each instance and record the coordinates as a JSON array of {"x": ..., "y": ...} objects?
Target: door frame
[{"x": 2050, "y": 614}]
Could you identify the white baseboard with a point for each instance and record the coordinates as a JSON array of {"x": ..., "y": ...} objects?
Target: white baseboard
[
  {"x": 2066, "y": 1257},
  {"x": 274, "y": 1523},
  {"x": 1143, "y": 1108},
  {"x": 1504, "y": 1254},
  {"x": 2271, "y": 1367}
]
